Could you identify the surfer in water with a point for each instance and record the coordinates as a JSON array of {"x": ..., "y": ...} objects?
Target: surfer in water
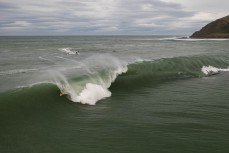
[{"x": 77, "y": 52}]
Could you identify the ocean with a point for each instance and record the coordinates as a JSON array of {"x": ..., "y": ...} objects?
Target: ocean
[{"x": 113, "y": 94}]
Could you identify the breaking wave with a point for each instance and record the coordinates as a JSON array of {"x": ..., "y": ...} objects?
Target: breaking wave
[
  {"x": 102, "y": 75},
  {"x": 94, "y": 86},
  {"x": 88, "y": 89}
]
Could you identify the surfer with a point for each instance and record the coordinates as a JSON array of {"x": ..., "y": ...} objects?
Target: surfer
[
  {"x": 61, "y": 94},
  {"x": 77, "y": 52}
]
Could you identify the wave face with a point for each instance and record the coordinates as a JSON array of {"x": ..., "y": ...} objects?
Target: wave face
[{"x": 167, "y": 69}]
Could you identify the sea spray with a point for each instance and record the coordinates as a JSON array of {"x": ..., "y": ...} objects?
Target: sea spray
[
  {"x": 93, "y": 84},
  {"x": 63, "y": 84}
]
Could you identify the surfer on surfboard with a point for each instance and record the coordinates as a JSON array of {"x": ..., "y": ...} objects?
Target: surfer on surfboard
[{"x": 61, "y": 93}]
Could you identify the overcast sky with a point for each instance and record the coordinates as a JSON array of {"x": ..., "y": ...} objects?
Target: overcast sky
[{"x": 108, "y": 17}]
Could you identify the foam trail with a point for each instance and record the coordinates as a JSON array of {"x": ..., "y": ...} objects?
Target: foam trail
[
  {"x": 69, "y": 51},
  {"x": 225, "y": 70}
]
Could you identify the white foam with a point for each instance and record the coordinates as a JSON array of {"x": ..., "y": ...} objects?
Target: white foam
[
  {"x": 225, "y": 70},
  {"x": 91, "y": 94},
  {"x": 210, "y": 70},
  {"x": 69, "y": 51}
]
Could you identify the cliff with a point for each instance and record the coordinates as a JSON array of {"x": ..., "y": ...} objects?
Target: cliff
[{"x": 215, "y": 29}]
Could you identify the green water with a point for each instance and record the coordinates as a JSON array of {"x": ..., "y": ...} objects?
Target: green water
[{"x": 160, "y": 105}]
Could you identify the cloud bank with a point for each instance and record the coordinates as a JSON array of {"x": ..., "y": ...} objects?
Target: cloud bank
[{"x": 102, "y": 17}]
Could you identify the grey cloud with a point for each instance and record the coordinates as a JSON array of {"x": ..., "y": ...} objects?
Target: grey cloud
[
  {"x": 6, "y": 6},
  {"x": 94, "y": 17}
]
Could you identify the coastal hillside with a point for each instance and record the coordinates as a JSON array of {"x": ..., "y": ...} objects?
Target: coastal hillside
[{"x": 215, "y": 29}]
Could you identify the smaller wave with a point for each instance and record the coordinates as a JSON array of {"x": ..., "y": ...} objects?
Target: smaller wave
[
  {"x": 211, "y": 70},
  {"x": 69, "y": 51}
]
